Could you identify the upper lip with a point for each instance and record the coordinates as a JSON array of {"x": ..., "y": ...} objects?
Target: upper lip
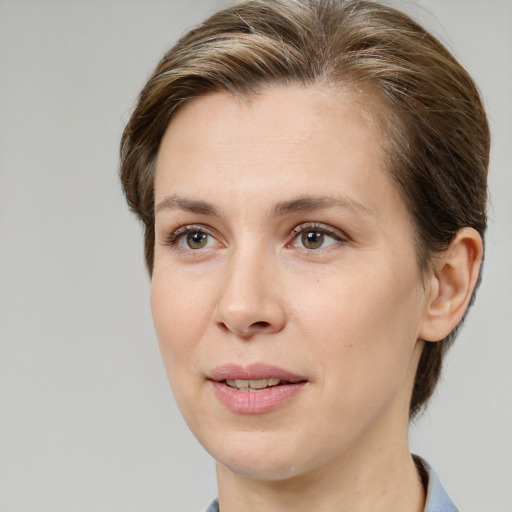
[{"x": 255, "y": 371}]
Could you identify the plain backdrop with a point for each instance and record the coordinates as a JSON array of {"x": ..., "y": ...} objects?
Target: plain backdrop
[{"x": 87, "y": 420}]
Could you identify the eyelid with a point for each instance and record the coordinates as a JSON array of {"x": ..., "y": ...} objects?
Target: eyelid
[
  {"x": 335, "y": 233},
  {"x": 173, "y": 237}
]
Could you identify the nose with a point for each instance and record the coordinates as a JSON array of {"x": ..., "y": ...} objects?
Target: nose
[{"x": 250, "y": 300}]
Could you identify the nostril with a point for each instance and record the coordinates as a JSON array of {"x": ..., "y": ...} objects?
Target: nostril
[
  {"x": 260, "y": 325},
  {"x": 223, "y": 327}
]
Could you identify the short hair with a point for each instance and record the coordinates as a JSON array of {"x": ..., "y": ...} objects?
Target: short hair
[{"x": 436, "y": 147}]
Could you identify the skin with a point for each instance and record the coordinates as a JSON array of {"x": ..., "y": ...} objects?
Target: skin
[{"x": 348, "y": 315}]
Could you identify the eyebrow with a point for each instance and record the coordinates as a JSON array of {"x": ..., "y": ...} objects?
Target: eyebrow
[
  {"x": 186, "y": 204},
  {"x": 282, "y": 208},
  {"x": 317, "y": 203}
]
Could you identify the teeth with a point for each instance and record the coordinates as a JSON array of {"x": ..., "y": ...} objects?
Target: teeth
[{"x": 246, "y": 385}]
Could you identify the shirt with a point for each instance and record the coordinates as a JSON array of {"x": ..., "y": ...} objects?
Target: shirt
[{"x": 437, "y": 499}]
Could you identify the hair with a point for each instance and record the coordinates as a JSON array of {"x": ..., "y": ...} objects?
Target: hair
[{"x": 437, "y": 140}]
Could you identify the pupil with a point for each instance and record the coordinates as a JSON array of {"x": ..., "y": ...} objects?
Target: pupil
[
  {"x": 196, "y": 240},
  {"x": 312, "y": 239}
]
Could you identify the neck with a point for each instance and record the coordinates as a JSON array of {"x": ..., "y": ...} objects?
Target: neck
[
  {"x": 377, "y": 473},
  {"x": 389, "y": 483}
]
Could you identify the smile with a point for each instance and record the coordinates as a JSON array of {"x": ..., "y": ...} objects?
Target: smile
[
  {"x": 253, "y": 384},
  {"x": 255, "y": 389}
]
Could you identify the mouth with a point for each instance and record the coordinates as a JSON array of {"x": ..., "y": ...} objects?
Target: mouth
[
  {"x": 254, "y": 384},
  {"x": 254, "y": 389},
  {"x": 254, "y": 376}
]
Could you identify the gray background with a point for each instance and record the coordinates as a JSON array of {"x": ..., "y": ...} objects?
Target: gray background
[{"x": 87, "y": 422}]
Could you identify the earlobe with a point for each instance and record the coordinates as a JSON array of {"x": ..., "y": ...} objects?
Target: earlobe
[{"x": 452, "y": 282}]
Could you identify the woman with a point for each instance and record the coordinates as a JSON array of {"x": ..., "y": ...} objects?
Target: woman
[{"x": 312, "y": 180}]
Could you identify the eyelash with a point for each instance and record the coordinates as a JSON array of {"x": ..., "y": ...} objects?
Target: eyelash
[
  {"x": 173, "y": 238},
  {"x": 318, "y": 228}
]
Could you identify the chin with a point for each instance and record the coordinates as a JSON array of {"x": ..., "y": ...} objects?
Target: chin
[
  {"x": 256, "y": 469},
  {"x": 262, "y": 456}
]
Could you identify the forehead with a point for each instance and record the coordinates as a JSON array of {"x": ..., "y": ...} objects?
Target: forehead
[
  {"x": 293, "y": 121},
  {"x": 288, "y": 104},
  {"x": 282, "y": 143}
]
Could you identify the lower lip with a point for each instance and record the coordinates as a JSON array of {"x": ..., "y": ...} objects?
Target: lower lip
[{"x": 256, "y": 402}]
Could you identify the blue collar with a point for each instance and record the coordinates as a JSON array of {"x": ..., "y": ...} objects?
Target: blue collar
[{"x": 437, "y": 499}]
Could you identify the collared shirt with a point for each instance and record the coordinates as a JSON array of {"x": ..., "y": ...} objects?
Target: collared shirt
[{"x": 437, "y": 499}]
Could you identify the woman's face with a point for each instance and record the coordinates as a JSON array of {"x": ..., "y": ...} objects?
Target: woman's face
[{"x": 286, "y": 293}]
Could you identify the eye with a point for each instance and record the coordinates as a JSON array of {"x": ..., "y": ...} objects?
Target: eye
[
  {"x": 195, "y": 240},
  {"x": 192, "y": 238},
  {"x": 312, "y": 237}
]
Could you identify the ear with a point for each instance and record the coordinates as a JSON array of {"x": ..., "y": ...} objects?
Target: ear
[{"x": 452, "y": 282}]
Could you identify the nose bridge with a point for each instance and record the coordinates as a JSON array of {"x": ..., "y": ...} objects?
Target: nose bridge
[{"x": 249, "y": 301}]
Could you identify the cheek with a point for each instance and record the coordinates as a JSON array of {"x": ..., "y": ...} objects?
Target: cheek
[
  {"x": 178, "y": 316},
  {"x": 363, "y": 327},
  {"x": 363, "y": 341}
]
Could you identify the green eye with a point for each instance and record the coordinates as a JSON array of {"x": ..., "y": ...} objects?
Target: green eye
[
  {"x": 312, "y": 239},
  {"x": 196, "y": 240}
]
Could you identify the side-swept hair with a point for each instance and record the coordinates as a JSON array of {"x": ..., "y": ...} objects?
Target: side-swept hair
[{"x": 430, "y": 111}]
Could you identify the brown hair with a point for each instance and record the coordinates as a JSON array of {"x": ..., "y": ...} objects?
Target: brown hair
[{"x": 437, "y": 136}]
